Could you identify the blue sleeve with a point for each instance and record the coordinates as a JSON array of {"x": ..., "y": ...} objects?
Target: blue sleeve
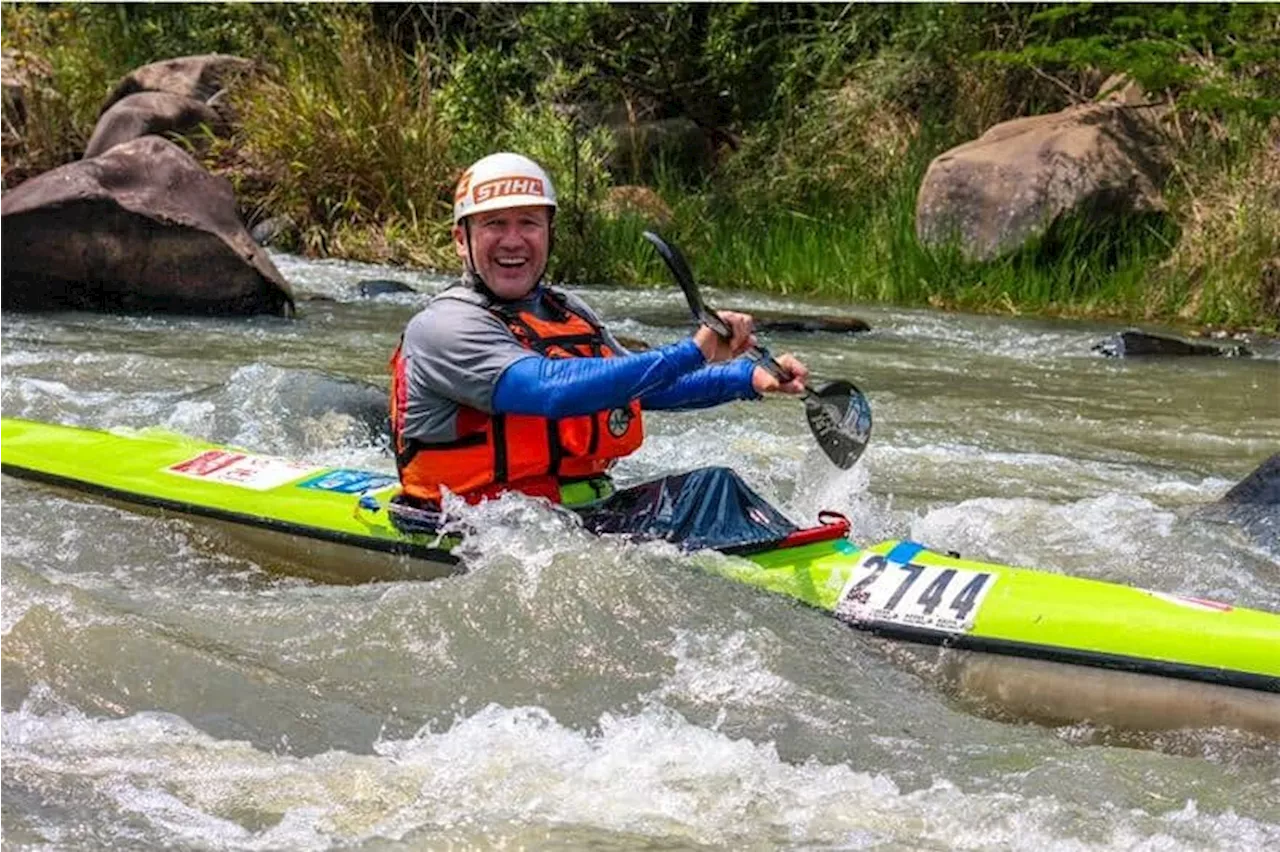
[
  {"x": 566, "y": 387},
  {"x": 712, "y": 385}
]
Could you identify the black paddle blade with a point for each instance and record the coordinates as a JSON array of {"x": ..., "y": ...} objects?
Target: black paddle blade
[
  {"x": 684, "y": 277},
  {"x": 840, "y": 419}
]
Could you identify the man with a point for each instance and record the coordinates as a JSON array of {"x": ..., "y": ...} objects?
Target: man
[{"x": 505, "y": 383}]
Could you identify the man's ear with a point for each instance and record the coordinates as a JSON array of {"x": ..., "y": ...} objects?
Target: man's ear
[{"x": 460, "y": 243}]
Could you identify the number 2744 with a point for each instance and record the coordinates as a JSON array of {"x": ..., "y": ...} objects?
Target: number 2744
[{"x": 918, "y": 590}]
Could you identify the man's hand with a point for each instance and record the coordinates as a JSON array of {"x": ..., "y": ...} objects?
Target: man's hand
[
  {"x": 765, "y": 382},
  {"x": 714, "y": 349}
]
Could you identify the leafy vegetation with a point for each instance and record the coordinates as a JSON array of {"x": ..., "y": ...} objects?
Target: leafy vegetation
[{"x": 811, "y": 126}]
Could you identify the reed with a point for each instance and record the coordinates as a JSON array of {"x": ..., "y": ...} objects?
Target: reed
[{"x": 344, "y": 138}]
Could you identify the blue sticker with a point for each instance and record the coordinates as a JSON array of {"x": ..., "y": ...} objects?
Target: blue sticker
[
  {"x": 903, "y": 552},
  {"x": 347, "y": 481}
]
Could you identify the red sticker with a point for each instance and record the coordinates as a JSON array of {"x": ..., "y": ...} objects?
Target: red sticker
[{"x": 207, "y": 462}]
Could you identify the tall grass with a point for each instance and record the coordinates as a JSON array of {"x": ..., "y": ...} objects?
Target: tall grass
[
  {"x": 1227, "y": 195},
  {"x": 871, "y": 255},
  {"x": 344, "y": 139}
]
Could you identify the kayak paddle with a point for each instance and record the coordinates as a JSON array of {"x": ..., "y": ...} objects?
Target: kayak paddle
[{"x": 839, "y": 415}]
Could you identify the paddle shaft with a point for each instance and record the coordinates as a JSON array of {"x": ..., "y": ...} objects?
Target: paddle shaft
[
  {"x": 712, "y": 320},
  {"x": 839, "y": 415}
]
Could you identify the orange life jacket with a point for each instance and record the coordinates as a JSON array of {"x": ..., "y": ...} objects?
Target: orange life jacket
[{"x": 517, "y": 452}]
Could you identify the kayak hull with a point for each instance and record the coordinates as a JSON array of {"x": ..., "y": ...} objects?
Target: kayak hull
[
  {"x": 1036, "y": 644},
  {"x": 1024, "y": 689}
]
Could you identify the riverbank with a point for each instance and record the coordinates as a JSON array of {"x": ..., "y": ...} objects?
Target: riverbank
[{"x": 811, "y": 130}]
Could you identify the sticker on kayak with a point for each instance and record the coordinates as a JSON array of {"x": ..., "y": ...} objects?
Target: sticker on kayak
[
  {"x": 348, "y": 481},
  {"x": 260, "y": 473},
  {"x": 1201, "y": 604},
  {"x": 923, "y": 596}
]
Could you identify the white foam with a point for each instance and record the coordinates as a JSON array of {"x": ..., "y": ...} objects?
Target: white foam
[{"x": 502, "y": 770}]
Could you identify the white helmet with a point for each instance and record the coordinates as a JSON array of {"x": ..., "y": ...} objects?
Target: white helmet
[{"x": 499, "y": 181}]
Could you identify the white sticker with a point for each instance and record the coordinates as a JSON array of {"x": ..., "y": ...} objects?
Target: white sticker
[
  {"x": 924, "y": 596},
  {"x": 260, "y": 473}
]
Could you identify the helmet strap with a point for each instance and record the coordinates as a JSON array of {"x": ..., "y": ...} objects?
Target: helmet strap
[
  {"x": 551, "y": 240},
  {"x": 471, "y": 258}
]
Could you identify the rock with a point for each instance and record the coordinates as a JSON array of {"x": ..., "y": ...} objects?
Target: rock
[
  {"x": 677, "y": 142},
  {"x": 382, "y": 287},
  {"x": 1011, "y": 184},
  {"x": 140, "y": 227},
  {"x": 275, "y": 231},
  {"x": 199, "y": 78},
  {"x": 770, "y": 321},
  {"x": 632, "y": 344},
  {"x": 1252, "y": 506},
  {"x": 147, "y": 113},
  {"x": 1262, "y": 487},
  {"x": 639, "y": 201},
  {"x": 1133, "y": 343}
]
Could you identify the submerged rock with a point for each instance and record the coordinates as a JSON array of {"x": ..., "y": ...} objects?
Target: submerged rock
[
  {"x": 633, "y": 344},
  {"x": 769, "y": 321},
  {"x": 1134, "y": 343},
  {"x": 1253, "y": 506},
  {"x": 382, "y": 287}
]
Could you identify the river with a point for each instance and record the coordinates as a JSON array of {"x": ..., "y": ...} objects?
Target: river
[{"x": 166, "y": 686}]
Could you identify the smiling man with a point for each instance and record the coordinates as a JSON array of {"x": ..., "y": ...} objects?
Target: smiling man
[{"x": 505, "y": 383}]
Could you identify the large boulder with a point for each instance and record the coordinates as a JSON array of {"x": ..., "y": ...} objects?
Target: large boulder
[
  {"x": 200, "y": 78},
  {"x": 152, "y": 113},
  {"x": 140, "y": 227},
  {"x": 1008, "y": 186}
]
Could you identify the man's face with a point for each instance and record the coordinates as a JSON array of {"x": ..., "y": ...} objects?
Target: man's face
[{"x": 509, "y": 248}]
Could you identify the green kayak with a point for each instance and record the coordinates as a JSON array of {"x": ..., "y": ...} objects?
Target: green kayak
[{"x": 896, "y": 589}]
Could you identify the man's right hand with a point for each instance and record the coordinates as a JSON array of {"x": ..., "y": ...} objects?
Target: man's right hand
[{"x": 714, "y": 348}]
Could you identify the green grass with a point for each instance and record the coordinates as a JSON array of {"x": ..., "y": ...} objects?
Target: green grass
[{"x": 872, "y": 255}]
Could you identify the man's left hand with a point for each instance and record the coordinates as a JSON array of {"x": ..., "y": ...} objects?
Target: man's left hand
[{"x": 764, "y": 382}]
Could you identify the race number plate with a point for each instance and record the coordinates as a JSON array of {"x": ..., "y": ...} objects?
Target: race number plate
[{"x": 924, "y": 596}]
